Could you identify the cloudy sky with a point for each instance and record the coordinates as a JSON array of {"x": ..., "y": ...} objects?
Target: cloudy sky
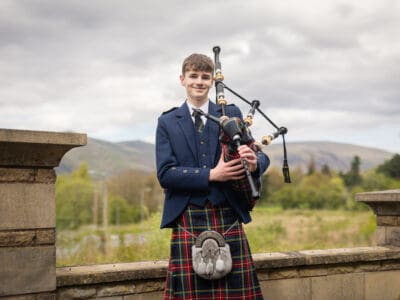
[{"x": 327, "y": 70}]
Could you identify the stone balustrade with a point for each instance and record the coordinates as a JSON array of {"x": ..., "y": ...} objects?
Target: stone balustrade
[
  {"x": 386, "y": 206},
  {"x": 350, "y": 273},
  {"x": 27, "y": 210}
]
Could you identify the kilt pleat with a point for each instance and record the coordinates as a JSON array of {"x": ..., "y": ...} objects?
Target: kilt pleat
[{"x": 183, "y": 283}]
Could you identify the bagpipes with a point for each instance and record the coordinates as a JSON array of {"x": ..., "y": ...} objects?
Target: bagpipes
[{"x": 235, "y": 132}]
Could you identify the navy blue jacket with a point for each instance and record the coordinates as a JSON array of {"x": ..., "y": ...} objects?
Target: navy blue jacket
[{"x": 178, "y": 168}]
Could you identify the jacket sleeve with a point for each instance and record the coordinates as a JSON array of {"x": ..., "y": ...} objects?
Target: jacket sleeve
[
  {"x": 262, "y": 163},
  {"x": 171, "y": 174}
]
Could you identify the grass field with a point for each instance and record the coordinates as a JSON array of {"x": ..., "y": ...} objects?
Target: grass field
[{"x": 272, "y": 229}]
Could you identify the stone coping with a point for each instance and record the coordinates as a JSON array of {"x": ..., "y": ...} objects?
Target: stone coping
[
  {"x": 42, "y": 137},
  {"x": 36, "y": 149},
  {"x": 148, "y": 270},
  {"x": 379, "y": 196}
]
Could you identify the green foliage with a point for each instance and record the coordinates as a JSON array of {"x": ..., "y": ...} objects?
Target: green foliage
[
  {"x": 74, "y": 198},
  {"x": 311, "y": 168},
  {"x": 136, "y": 187},
  {"x": 272, "y": 229},
  {"x": 391, "y": 167},
  {"x": 124, "y": 243},
  {"x": 121, "y": 212},
  {"x": 82, "y": 172},
  {"x": 316, "y": 191},
  {"x": 273, "y": 181},
  {"x": 375, "y": 181},
  {"x": 353, "y": 177},
  {"x": 131, "y": 197},
  {"x": 326, "y": 170},
  {"x": 129, "y": 185},
  {"x": 325, "y": 189}
]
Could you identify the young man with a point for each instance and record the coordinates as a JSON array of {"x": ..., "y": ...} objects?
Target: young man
[{"x": 198, "y": 192}]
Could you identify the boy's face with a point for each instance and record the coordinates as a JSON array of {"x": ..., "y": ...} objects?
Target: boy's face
[{"x": 197, "y": 85}]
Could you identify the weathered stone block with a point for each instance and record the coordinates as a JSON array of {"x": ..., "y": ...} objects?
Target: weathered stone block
[
  {"x": 17, "y": 238},
  {"x": 287, "y": 289},
  {"x": 27, "y": 206},
  {"x": 27, "y": 270},
  {"x": 45, "y": 236},
  {"x": 390, "y": 265},
  {"x": 24, "y": 238},
  {"x": 41, "y": 296},
  {"x": 262, "y": 275},
  {"x": 116, "y": 290},
  {"x": 146, "y": 296},
  {"x": 370, "y": 267},
  {"x": 341, "y": 270},
  {"x": 76, "y": 293},
  {"x": 109, "y": 298},
  {"x": 149, "y": 286},
  {"x": 311, "y": 272},
  {"x": 393, "y": 236},
  {"x": 278, "y": 259},
  {"x": 388, "y": 220},
  {"x": 380, "y": 235},
  {"x": 27, "y": 175},
  {"x": 111, "y": 273},
  {"x": 382, "y": 285},
  {"x": 344, "y": 287},
  {"x": 282, "y": 274}
]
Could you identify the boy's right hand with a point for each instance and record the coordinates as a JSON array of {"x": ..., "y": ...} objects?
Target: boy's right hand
[{"x": 224, "y": 171}]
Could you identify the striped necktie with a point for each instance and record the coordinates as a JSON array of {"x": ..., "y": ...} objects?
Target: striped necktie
[{"x": 198, "y": 122}]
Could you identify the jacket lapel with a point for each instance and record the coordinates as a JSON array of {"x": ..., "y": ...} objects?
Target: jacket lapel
[{"x": 185, "y": 123}]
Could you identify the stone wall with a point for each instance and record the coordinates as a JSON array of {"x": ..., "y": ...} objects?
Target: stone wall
[
  {"x": 353, "y": 273},
  {"x": 27, "y": 211}
]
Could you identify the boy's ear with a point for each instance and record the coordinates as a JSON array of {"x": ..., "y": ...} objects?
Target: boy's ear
[{"x": 182, "y": 78}]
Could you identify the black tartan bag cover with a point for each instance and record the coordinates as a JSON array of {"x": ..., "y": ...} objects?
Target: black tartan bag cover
[{"x": 230, "y": 152}]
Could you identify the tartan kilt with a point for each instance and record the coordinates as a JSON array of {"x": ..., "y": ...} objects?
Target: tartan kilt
[{"x": 183, "y": 283}]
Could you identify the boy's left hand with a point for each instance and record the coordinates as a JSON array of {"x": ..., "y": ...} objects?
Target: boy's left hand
[{"x": 249, "y": 155}]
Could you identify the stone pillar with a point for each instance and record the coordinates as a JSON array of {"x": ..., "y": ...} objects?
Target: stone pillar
[
  {"x": 386, "y": 205},
  {"x": 27, "y": 210}
]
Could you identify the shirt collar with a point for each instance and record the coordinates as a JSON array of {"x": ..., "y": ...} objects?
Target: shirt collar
[{"x": 204, "y": 108}]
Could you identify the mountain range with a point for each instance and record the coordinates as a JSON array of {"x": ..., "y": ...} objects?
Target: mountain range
[{"x": 107, "y": 158}]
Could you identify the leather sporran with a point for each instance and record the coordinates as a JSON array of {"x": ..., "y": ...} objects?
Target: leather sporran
[{"x": 211, "y": 255}]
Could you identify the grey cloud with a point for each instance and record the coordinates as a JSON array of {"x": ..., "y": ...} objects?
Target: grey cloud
[{"x": 116, "y": 63}]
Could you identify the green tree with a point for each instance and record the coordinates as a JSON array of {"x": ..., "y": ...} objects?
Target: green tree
[
  {"x": 326, "y": 170},
  {"x": 316, "y": 191},
  {"x": 391, "y": 167},
  {"x": 353, "y": 177},
  {"x": 135, "y": 187},
  {"x": 129, "y": 185},
  {"x": 375, "y": 181},
  {"x": 74, "y": 199},
  {"x": 311, "y": 168},
  {"x": 154, "y": 193},
  {"x": 121, "y": 212},
  {"x": 271, "y": 181}
]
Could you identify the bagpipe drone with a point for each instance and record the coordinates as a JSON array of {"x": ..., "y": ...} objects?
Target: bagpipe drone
[{"x": 235, "y": 132}]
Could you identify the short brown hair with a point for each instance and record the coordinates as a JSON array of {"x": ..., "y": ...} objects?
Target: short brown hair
[{"x": 197, "y": 62}]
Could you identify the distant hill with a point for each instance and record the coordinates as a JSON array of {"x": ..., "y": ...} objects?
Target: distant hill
[
  {"x": 337, "y": 156},
  {"x": 107, "y": 158}
]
